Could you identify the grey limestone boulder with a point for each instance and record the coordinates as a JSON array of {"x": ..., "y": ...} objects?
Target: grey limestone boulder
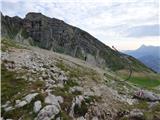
[
  {"x": 48, "y": 112},
  {"x": 37, "y": 106}
]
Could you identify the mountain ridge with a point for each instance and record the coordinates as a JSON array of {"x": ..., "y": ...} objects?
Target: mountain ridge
[
  {"x": 149, "y": 55},
  {"x": 56, "y": 35},
  {"x": 52, "y": 84}
]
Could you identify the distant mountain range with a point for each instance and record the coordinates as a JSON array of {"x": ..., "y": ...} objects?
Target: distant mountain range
[{"x": 149, "y": 55}]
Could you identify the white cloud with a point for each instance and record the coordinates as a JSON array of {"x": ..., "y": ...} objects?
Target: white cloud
[{"x": 105, "y": 19}]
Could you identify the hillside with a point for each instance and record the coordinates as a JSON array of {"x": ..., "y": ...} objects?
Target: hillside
[
  {"x": 55, "y": 71},
  {"x": 149, "y": 55},
  {"x": 55, "y": 35},
  {"x": 44, "y": 85}
]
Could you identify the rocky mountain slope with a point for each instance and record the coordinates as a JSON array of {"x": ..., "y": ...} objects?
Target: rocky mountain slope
[
  {"x": 55, "y": 35},
  {"x": 42, "y": 85},
  {"x": 149, "y": 55}
]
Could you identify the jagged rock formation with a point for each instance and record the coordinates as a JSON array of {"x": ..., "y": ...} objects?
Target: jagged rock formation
[{"x": 55, "y": 35}]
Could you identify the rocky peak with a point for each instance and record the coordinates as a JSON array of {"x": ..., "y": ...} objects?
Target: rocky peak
[
  {"x": 33, "y": 16},
  {"x": 56, "y": 35}
]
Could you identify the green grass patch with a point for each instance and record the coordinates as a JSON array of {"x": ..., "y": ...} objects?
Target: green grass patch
[
  {"x": 10, "y": 85},
  {"x": 8, "y": 43},
  {"x": 141, "y": 105},
  {"x": 24, "y": 33},
  {"x": 80, "y": 110},
  {"x": 145, "y": 82}
]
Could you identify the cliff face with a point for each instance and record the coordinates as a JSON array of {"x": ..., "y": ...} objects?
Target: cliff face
[{"x": 55, "y": 35}]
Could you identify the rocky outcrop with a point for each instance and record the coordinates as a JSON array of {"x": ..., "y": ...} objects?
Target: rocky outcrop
[
  {"x": 37, "y": 106},
  {"x": 146, "y": 95},
  {"x": 55, "y": 35},
  {"x": 136, "y": 114},
  {"x": 48, "y": 112}
]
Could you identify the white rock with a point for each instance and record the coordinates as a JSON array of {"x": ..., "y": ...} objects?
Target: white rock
[
  {"x": 60, "y": 85},
  {"x": 62, "y": 78},
  {"x": 6, "y": 104},
  {"x": 76, "y": 101},
  {"x": 48, "y": 112},
  {"x": 37, "y": 106},
  {"x": 21, "y": 104},
  {"x": 8, "y": 108},
  {"x": 58, "y": 118},
  {"x": 51, "y": 99},
  {"x": 48, "y": 91},
  {"x": 60, "y": 99},
  {"x": 75, "y": 89},
  {"x": 136, "y": 113},
  {"x": 94, "y": 118},
  {"x": 18, "y": 101},
  {"x": 29, "y": 97},
  {"x": 79, "y": 99},
  {"x": 81, "y": 118}
]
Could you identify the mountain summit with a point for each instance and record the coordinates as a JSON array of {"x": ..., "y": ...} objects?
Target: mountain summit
[{"x": 56, "y": 35}]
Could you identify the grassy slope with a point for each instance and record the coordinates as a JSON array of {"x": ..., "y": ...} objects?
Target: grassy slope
[{"x": 146, "y": 82}]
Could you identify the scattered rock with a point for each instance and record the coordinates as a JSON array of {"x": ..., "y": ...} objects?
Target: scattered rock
[
  {"x": 6, "y": 104},
  {"x": 136, "y": 114},
  {"x": 18, "y": 101},
  {"x": 58, "y": 118},
  {"x": 76, "y": 101},
  {"x": 153, "y": 104},
  {"x": 76, "y": 89},
  {"x": 95, "y": 118},
  {"x": 30, "y": 97},
  {"x": 79, "y": 99},
  {"x": 146, "y": 95},
  {"x": 37, "y": 106},
  {"x": 60, "y": 99},
  {"x": 20, "y": 104},
  {"x": 62, "y": 79},
  {"x": 81, "y": 118},
  {"x": 48, "y": 112},
  {"x": 9, "y": 108},
  {"x": 51, "y": 99}
]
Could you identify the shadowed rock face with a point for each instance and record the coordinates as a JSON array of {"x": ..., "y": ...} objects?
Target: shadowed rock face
[{"x": 56, "y": 35}]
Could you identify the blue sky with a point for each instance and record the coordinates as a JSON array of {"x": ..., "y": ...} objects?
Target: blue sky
[{"x": 126, "y": 24}]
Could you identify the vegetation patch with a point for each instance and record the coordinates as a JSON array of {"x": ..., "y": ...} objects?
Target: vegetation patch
[
  {"x": 145, "y": 82},
  {"x": 24, "y": 33},
  {"x": 141, "y": 105},
  {"x": 8, "y": 43},
  {"x": 10, "y": 85},
  {"x": 80, "y": 110},
  {"x": 37, "y": 85},
  {"x": 78, "y": 71}
]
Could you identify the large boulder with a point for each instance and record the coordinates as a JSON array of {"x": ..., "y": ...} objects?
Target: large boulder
[
  {"x": 146, "y": 95},
  {"x": 21, "y": 104},
  {"x": 54, "y": 100},
  {"x": 48, "y": 113},
  {"x": 136, "y": 114},
  {"x": 30, "y": 97},
  {"x": 37, "y": 106}
]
